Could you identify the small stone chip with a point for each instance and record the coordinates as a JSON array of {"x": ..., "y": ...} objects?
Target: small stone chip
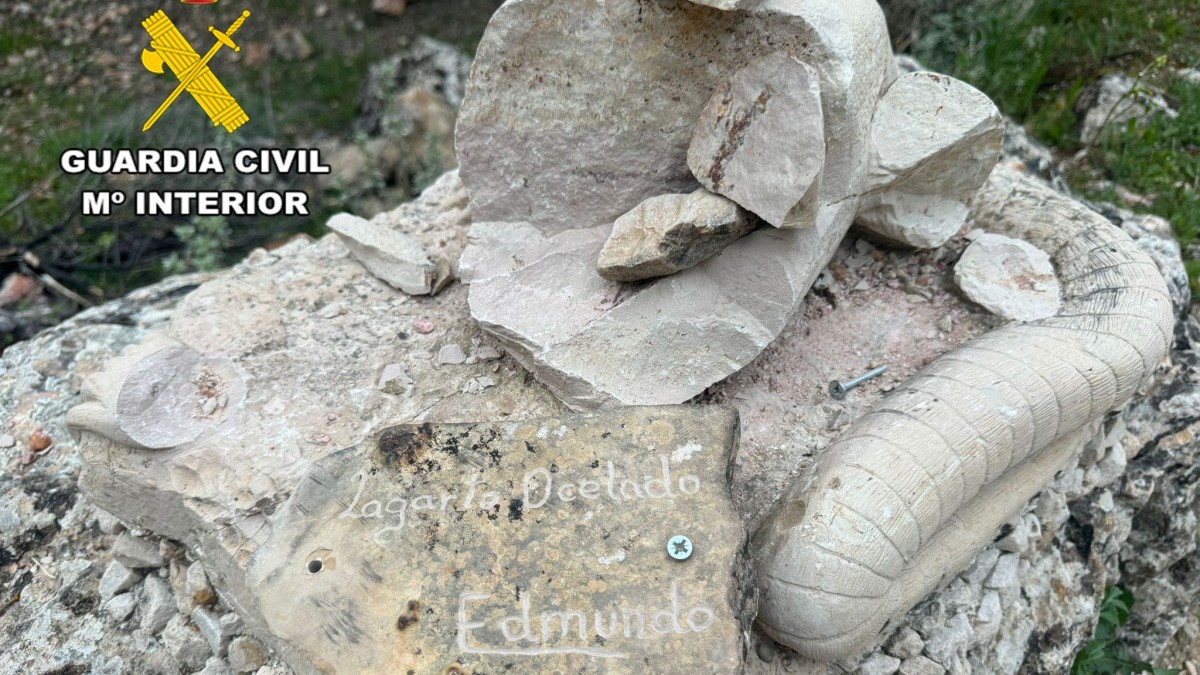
[
  {"x": 246, "y": 655},
  {"x": 117, "y": 578},
  {"x": 136, "y": 552}
]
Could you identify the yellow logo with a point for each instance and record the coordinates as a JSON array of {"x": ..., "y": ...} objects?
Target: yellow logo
[{"x": 167, "y": 45}]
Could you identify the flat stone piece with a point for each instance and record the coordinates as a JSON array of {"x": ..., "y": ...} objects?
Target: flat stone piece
[
  {"x": 1010, "y": 277},
  {"x": 761, "y": 140},
  {"x": 539, "y": 543},
  {"x": 393, "y": 256},
  {"x": 669, "y": 233}
]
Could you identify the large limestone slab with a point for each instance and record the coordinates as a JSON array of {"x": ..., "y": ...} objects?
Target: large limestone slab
[
  {"x": 537, "y": 546},
  {"x": 669, "y": 233},
  {"x": 611, "y": 343},
  {"x": 761, "y": 140},
  {"x": 934, "y": 141}
]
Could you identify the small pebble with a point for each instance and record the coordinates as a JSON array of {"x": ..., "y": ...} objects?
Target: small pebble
[
  {"x": 423, "y": 327},
  {"x": 451, "y": 355},
  {"x": 7, "y": 441},
  {"x": 39, "y": 440}
]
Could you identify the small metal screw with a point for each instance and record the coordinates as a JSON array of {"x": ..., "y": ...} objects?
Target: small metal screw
[
  {"x": 838, "y": 389},
  {"x": 679, "y": 547}
]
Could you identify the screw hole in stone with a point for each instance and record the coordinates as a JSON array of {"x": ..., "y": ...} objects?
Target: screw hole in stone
[{"x": 315, "y": 566}]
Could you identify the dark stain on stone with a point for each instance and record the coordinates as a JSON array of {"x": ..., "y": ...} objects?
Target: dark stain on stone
[
  {"x": 515, "y": 508},
  {"x": 411, "y": 615},
  {"x": 529, "y": 447},
  {"x": 404, "y": 446},
  {"x": 595, "y": 464},
  {"x": 735, "y": 136},
  {"x": 79, "y": 602}
]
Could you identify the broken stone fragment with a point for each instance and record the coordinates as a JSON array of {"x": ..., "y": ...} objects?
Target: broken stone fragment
[
  {"x": 464, "y": 545},
  {"x": 117, "y": 579},
  {"x": 760, "y": 141},
  {"x": 158, "y": 606},
  {"x": 185, "y": 643},
  {"x": 668, "y": 233},
  {"x": 576, "y": 140},
  {"x": 729, "y": 308},
  {"x": 934, "y": 140},
  {"x": 1009, "y": 277},
  {"x": 246, "y": 655},
  {"x": 1114, "y": 100},
  {"x": 392, "y": 256}
]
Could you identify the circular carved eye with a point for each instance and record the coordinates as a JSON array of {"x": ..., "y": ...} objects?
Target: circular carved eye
[{"x": 315, "y": 566}]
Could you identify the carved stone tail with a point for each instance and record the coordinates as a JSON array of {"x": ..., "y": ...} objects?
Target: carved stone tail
[{"x": 915, "y": 487}]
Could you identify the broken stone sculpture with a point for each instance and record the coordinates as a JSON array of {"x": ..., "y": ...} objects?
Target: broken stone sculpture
[
  {"x": 666, "y": 234},
  {"x": 921, "y": 482},
  {"x": 933, "y": 142},
  {"x": 554, "y": 147}
]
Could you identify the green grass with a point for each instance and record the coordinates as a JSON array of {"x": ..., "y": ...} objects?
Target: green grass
[{"x": 1034, "y": 58}]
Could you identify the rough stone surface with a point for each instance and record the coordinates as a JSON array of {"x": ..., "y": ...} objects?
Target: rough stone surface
[
  {"x": 136, "y": 552},
  {"x": 669, "y": 233},
  {"x": 392, "y": 256},
  {"x": 216, "y": 665},
  {"x": 158, "y": 606},
  {"x": 117, "y": 578},
  {"x": 934, "y": 141},
  {"x": 878, "y": 664},
  {"x": 186, "y": 644},
  {"x": 246, "y": 655},
  {"x": 919, "y": 665},
  {"x": 1114, "y": 100},
  {"x": 120, "y": 607},
  {"x": 724, "y": 4},
  {"x": 905, "y": 644},
  {"x": 210, "y": 626},
  {"x": 760, "y": 141},
  {"x": 1010, "y": 277},
  {"x": 553, "y": 523}
]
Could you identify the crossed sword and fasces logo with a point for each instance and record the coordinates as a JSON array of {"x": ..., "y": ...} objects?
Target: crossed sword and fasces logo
[{"x": 167, "y": 45}]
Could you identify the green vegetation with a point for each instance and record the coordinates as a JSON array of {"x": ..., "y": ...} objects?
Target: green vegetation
[
  {"x": 1034, "y": 57},
  {"x": 1104, "y": 655},
  {"x": 70, "y": 77}
]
